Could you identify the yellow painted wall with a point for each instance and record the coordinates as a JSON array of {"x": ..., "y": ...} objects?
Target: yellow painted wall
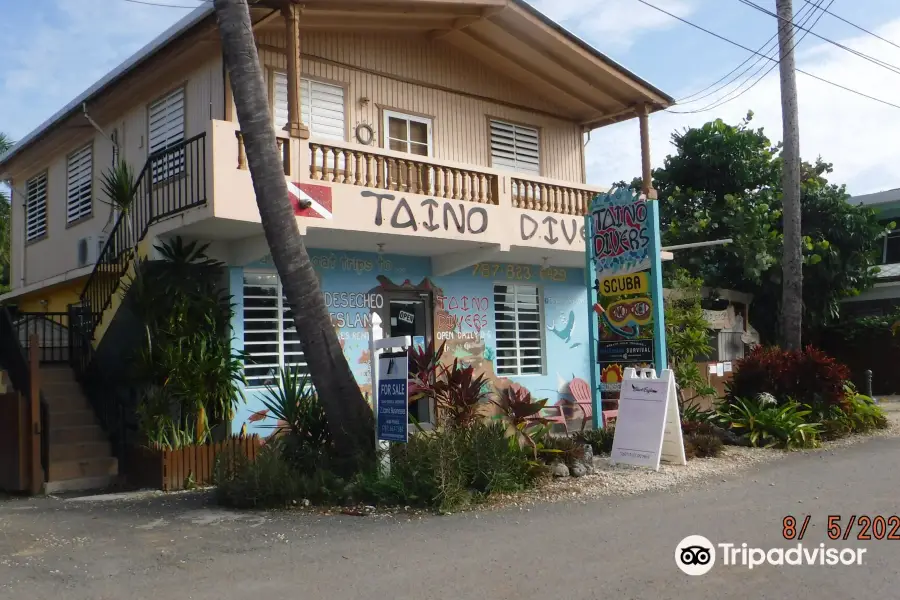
[{"x": 58, "y": 297}]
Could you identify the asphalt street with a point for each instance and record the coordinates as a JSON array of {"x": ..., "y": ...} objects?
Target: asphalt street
[{"x": 182, "y": 547}]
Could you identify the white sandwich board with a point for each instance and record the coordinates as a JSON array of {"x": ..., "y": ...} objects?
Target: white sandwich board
[{"x": 648, "y": 426}]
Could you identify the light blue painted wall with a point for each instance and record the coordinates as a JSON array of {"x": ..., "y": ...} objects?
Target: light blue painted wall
[{"x": 467, "y": 300}]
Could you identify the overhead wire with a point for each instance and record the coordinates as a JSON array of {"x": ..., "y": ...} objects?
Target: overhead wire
[
  {"x": 734, "y": 94},
  {"x": 764, "y": 49},
  {"x": 851, "y": 24},
  {"x": 743, "y": 47}
]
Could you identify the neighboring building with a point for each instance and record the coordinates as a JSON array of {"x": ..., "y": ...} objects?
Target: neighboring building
[
  {"x": 441, "y": 145},
  {"x": 885, "y": 294}
]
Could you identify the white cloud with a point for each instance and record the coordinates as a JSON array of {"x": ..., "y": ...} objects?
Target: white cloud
[
  {"x": 65, "y": 47},
  {"x": 613, "y": 24},
  {"x": 856, "y": 134}
]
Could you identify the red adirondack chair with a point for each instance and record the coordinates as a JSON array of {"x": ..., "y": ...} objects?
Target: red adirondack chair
[{"x": 581, "y": 393}]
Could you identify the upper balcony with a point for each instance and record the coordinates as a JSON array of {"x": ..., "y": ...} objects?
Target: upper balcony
[{"x": 403, "y": 202}]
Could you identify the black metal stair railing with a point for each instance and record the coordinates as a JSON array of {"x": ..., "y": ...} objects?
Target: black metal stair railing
[{"x": 172, "y": 180}]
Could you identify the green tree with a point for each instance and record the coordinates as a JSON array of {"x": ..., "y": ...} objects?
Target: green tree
[
  {"x": 724, "y": 182},
  {"x": 5, "y": 144},
  {"x": 687, "y": 335}
]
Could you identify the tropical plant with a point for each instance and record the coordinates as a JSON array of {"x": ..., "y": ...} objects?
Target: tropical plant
[
  {"x": 691, "y": 412},
  {"x": 561, "y": 448},
  {"x": 349, "y": 415},
  {"x": 808, "y": 376},
  {"x": 687, "y": 335},
  {"x": 702, "y": 445},
  {"x": 772, "y": 426},
  {"x": 185, "y": 367},
  {"x": 300, "y": 421},
  {"x": 600, "y": 440},
  {"x": 523, "y": 414},
  {"x": 460, "y": 395}
]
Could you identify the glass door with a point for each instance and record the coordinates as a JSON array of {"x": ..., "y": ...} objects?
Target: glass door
[{"x": 412, "y": 317}]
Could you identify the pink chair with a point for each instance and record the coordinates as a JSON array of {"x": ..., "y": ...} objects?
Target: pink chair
[{"x": 581, "y": 392}]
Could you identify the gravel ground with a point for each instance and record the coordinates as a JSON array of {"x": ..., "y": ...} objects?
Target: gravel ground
[{"x": 625, "y": 480}]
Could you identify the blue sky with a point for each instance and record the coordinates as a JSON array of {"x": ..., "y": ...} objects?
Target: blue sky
[{"x": 54, "y": 49}]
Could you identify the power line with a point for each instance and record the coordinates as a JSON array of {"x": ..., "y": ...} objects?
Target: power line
[
  {"x": 743, "y": 47},
  {"x": 862, "y": 55},
  {"x": 764, "y": 49},
  {"x": 160, "y": 5},
  {"x": 725, "y": 100},
  {"x": 863, "y": 29}
]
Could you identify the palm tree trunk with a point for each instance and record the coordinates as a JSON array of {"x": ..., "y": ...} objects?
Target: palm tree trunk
[{"x": 349, "y": 416}]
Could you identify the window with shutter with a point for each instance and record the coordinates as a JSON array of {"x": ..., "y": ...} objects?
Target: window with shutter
[
  {"x": 270, "y": 338},
  {"x": 515, "y": 148},
  {"x": 36, "y": 207},
  {"x": 518, "y": 322},
  {"x": 166, "y": 118},
  {"x": 321, "y": 106},
  {"x": 79, "y": 180}
]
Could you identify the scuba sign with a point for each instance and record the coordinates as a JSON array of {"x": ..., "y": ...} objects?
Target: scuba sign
[{"x": 625, "y": 317}]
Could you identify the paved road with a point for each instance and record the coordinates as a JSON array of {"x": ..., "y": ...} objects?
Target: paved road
[{"x": 178, "y": 547}]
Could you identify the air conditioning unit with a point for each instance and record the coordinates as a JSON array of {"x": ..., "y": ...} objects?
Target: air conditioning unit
[{"x": 89, "y": 249}]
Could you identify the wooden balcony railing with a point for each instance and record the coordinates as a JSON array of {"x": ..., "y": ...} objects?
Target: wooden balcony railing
[
  {"x": 365, "y": 166},
  {"x": 402, "y": 173},
  {"x": 550, "y": 197}
]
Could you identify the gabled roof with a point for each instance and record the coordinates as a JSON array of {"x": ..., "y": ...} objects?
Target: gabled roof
[{"x": 509, "y": 35}]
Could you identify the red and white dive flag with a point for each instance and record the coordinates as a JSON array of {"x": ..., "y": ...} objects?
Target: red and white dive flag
[{"x": 318, "y": 196}]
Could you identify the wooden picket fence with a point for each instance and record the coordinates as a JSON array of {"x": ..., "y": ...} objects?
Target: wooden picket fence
[{"x": 171, "y": 470}]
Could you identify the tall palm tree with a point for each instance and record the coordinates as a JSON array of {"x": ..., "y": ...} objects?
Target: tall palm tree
[{"x": 349, "y": 417}]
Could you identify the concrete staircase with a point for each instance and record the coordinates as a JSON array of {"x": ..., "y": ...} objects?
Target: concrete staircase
[{"x": 80, "y": 454}]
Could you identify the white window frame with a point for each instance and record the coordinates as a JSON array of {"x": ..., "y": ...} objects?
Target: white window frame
[
  {"x": 36, "y": 207},
  {"x": 520, "y": 165},
  {"x": 281, "y": 308},
  {"x": 172, "y": 166},
  {"x": 80, "y": 184},
  {"x": 517, "y": 371},
  {"x": 386, "y": 139}
]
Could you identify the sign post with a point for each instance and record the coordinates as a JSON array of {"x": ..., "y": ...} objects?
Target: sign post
[
  {"x": 393, "y": 369},
  {"x": 656, "y": 288},
  {"x": 590, "y": 277}
]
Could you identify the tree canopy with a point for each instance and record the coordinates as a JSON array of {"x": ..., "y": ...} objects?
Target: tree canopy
[
  {"x": 724, "y": 182},
  {"x": 5, "y": 144}
]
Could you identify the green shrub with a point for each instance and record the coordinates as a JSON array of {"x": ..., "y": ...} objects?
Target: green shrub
[
  {"x": 769, "y": 426},
  {"x": 702, "y": 445},
  {"x": 561, "y": 448},
  {"x": 450, "y": 467},
  {"x": 864, "y": 415},
  {"x": 271, "y": 481},
  {"x": 300, "y": 424},
  {"x": 690, "y": 412},
  {"x": 601, "y": 440},
  {"x": 697, "y": 427}
]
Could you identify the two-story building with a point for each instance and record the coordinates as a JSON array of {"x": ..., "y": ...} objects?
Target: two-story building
[{"x": 441, "y": 144}]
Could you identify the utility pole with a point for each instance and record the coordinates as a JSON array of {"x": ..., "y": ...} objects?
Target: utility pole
[{"x": 792, "y": 261}]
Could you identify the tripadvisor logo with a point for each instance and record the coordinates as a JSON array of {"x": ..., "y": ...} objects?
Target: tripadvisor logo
[{"x": 696, "y": 555}]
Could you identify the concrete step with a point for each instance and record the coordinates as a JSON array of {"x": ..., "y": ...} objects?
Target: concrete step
[
  {"x": 76, "y": 434},
  {"x": 79, "y": 450},
  {"x": 70, "y": 418},
  {"x": 78, "y": 485},
  {"x": 61, "y": 404},
  {"x": 105, "y": 466},
  {"x": 61, "y": 374}
]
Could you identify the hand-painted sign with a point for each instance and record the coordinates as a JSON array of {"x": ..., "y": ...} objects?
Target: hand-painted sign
[
  {"x": 634, "y": 283},
  {"x": 625, "y": 351},
  {"x": 620, "y": 233},
  {"x": 630, "y": 312},
  {"x": 611, "y": 378},
  {"x": 310, "y": 200}
]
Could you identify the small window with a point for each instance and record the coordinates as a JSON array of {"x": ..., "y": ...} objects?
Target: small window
[
  {"x": 407, "y": 133},
  {"x": 515, "y": 148},
  {"x": 321, "y": 106},
  {"x": 79, "y": 179},
  {"x": 518, "y": 320},
  {"x": 270, "y": 338},
  {"x": 891, "y": 248},
  {"x": 166, "y": 117},
  {"x": 36, "y": 207}
]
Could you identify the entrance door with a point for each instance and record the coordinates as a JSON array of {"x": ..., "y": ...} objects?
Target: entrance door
[{"x": 411, "y": 314}]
